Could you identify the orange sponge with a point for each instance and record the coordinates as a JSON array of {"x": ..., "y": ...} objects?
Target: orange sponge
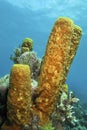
[
  {"x": 53, "y": 70},
  {"x": 75, "y": 40},
  {"x": 19, "y": 96},
  {"x": 60, "y": 51}
]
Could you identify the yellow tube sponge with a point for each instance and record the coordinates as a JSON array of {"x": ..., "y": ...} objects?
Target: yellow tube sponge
[
  {"x": 75, "y": 40},
  {"x": 53, "y": 67},
  {"x": 19, "y": 95}
]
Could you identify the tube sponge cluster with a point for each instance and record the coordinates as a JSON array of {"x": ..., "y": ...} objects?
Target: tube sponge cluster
[
  {"x": 19, "y": 96},
  {"x": 60, "y": 51},
  {"x": 63, "y": 40}
]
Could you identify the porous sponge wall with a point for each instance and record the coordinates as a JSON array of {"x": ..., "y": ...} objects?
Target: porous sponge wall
[
  {"x": 19, "y": 96},
  {"x": 75, "y": 40},
  {"x": 53, "y": 71}
]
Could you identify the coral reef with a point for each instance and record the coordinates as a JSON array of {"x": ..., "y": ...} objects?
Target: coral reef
[
  {"x": 64, "y": 110},
  {"x": 48, "y": 127},
  {"x": 81, "y": 116},
  {"x": 27, "y": 45},
  {"x": 30, "y": 58},
  {"x": 38, "y": 98},
  {"x": 4, "y": 86},
  {"x": 27, "y": 57}
]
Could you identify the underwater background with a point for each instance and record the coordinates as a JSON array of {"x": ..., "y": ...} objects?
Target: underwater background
[{"x": 35, "y": 19}]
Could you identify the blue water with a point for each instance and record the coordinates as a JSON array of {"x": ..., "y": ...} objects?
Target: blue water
[{"x": 34, "y": 19}]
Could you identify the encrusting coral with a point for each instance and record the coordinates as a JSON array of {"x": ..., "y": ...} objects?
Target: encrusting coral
[
  {"x": 53, "y": 70},
  {"x": 19, "y": 96},
  {"x": 25, "y": 55},
  {"x": 27, "y": 45},
  {"x": 30, "y": 58},
  {"x": 64, "y": 112}
]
